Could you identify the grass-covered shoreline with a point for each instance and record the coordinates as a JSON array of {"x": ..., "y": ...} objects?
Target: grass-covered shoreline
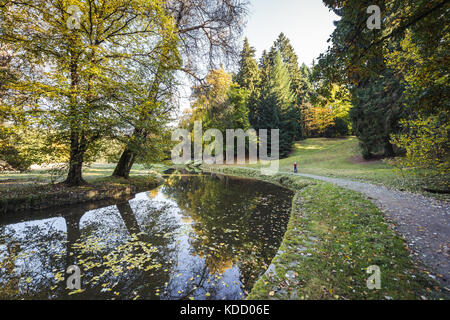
[
  {"x": 37, "y": 195},
  {"x": 333, "y": 235}
]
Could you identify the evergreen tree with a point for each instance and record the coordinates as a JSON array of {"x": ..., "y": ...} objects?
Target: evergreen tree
[
  {"x": 413, "y": 43},
  {"x": 290, "y": 60},
  {"x": 276, "y": 107},
  {"x": 376, "y": 113},
  {"x": 264, "y": 64},
  {"x": 248, "y": 74},
  {"x": 248, "y": 78},
  {"x": 306, "y": 84}
]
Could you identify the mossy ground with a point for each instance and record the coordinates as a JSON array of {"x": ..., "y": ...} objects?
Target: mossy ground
[{"x": 333, "y": 236}]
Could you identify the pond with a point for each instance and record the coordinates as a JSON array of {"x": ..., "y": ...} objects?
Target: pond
[{"x": 195, "y": 237}]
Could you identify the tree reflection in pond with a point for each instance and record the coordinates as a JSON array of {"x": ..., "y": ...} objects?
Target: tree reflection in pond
[
  {"x": 196, "y": 237},
  {"x": 237, "y": 224}
]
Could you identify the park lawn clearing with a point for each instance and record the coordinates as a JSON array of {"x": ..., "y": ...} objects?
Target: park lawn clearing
[
  {"x": 90, "y": 173},
  {"x": 333, "y": 236},
  {"x": 341, "y": 158}
]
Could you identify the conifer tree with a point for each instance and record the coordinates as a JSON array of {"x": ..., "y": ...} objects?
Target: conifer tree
[
  {"x": 290, "y": 60},
  {"x": 376, "y": 113},
  {"x": 248, "y": 77},
  {"x": 276, "y": 107},
  {"x": 248, "y": 74}
]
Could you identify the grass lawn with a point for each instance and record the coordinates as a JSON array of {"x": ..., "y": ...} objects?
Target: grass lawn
[
  {"x": 90, "y": 173},
  {"x": 334, "y": 235},
  {"x": 341, "y": 158}
]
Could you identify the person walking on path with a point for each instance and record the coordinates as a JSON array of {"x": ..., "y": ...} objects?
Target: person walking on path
[{"x": 295, "y": 167}]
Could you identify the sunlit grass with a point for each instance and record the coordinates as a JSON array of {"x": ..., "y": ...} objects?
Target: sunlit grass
[
  {"x": 341, "y": 157},
  {"x": 90, "y": 172}
]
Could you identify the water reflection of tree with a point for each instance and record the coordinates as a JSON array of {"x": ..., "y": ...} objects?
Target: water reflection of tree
[
  {"x": 235, "y": 221},
  {"x": 133, "y": 263},
  {"x": 115, "y": 262},
  {"x": 27, "y": 264}
]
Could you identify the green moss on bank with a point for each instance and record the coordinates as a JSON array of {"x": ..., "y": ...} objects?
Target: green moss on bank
[{"x": 332, "y": 237}]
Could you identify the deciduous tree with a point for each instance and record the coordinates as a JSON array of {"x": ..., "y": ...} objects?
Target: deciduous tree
[{"x": 80, "y": 62}]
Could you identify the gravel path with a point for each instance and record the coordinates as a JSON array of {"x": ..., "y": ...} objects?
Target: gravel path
[{"x": 422, "y": 221}]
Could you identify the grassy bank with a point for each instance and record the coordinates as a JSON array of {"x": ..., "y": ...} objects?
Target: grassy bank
[
  {"x": 31, "y": 194},
  {"x": 333, "y": 235},
  {"x": 341, "y": 157}
]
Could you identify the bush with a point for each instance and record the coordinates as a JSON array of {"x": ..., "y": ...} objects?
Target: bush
[
  {"x": 14, "y": 158},
  {"x": 427, "y": 145},
  {"x": 21, "y": 147}
]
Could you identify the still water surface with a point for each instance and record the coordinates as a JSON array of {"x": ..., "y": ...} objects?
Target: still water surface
[{"x": 195, "y": 237}]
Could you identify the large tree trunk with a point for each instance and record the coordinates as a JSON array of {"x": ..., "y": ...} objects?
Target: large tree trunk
[
  {"x": 77, "y": 138},
  {"x": 74, "y": 177},
  {"x": 125, "y": 163}
]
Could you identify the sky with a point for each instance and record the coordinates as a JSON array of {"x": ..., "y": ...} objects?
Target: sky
[{"x": 307, "y": 23}]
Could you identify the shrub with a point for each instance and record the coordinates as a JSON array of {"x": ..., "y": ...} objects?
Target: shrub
[
  {"x": 10, "y": 154},
  {"x": 427, "y": 145}
]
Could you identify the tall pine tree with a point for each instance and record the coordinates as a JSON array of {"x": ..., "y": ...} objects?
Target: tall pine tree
[
  {"x": 248, "y": 74},
  {"x": 276, "y": 106},
  {"x": 248, "y": 78},
  {"x": 290, "y": 60}
]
